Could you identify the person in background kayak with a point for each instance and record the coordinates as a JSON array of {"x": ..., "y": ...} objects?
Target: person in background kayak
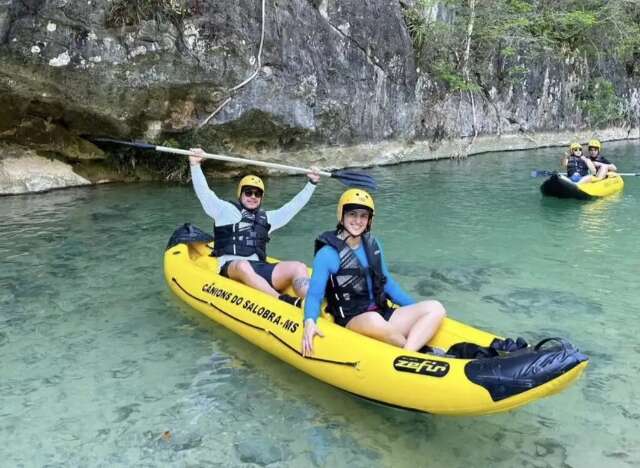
[
  {"x": 579, "y": 167},
  {"x": 242, "y": 229},
  {"x": 603, "y": 166},
  {"x": 350, "y": 271}
]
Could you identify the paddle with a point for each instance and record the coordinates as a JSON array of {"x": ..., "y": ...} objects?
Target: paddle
[
  {"x": 550, "y": 173},
  {"x": 347, "y": 177}
]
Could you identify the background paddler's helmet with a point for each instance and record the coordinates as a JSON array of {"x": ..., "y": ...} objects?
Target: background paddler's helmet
[
  {"x": 250, "y": 181},
  {"x": 575, "y": 147},
  {"x": 355, "y": 198},
  {"x": 595, "y": 144}
]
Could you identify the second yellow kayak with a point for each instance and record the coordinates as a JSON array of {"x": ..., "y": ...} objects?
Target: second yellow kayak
[{"x": 561, "y": 186}]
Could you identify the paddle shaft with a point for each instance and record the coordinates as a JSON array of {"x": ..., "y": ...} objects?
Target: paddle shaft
[
  {"x": 348, "y": 178},
  {"x": 220, "y": 157}
]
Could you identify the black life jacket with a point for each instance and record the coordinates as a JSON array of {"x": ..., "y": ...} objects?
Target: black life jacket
[
  {"x": 247, "y": 237},
  {"x": 576, "y": 165},
  {"x": 601, "y": 159},
  {"x": 347, "y": 290}
]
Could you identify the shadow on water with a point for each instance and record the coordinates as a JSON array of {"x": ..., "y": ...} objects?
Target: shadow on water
[{"x": 533, "y": 301}]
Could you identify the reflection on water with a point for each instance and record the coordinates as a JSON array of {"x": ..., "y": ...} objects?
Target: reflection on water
[
  {"x": 595, "y": 216},
  {"x": 102, "y": 366}
]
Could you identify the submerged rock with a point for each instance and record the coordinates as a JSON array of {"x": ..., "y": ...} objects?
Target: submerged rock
[
  {"x": 532, "y": 301},
  {"x": 123, "y": 412},
  {"x": 434, "y": 281},
  {"x": 464, "y": 279},
  {"x": 259, "y": 450}
]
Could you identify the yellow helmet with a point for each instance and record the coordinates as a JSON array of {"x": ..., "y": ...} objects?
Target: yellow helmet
[
  {"x": 354, "y": 196},
  {"x": 595, "y": 144},
  {"x": 250, "y": 181},
  {"x": 575, "y": 146}
]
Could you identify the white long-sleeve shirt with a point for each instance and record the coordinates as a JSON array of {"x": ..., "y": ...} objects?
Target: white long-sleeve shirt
[{"x": 223, "y": 212}]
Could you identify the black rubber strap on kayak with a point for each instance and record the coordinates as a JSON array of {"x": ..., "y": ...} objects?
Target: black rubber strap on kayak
[
  {"x": 565, "y": 344},
  {"x": 188, "y": 293},
  {"x": 256, "y": 327}
]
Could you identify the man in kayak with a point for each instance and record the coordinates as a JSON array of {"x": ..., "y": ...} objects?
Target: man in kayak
[
  {"x": 579, "y": 167},
  {"x": 603, "y": 166},
  {"x": 242, "y": 231},
  {"x": 350, "y": 271}
]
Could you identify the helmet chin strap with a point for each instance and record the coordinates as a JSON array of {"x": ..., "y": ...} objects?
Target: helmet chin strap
[
  {"x": 343, "y": 232},
  {"x": 349, "y": 234}
]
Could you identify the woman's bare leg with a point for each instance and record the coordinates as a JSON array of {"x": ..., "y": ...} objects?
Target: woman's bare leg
[
  {"x": 418, "y": 322},
  {"x": 374, "y": 326}
]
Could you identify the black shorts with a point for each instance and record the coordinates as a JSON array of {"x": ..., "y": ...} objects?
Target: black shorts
[
  {"x": 263, "y": 269},
  {"x": 386, "y": 314}
]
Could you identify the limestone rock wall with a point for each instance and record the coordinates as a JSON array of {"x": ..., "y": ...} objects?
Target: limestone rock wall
[{"x": 334, "y": 75}]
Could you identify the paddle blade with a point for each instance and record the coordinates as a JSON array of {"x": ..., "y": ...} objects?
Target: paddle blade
[
  {"x": 135, "y": 144},
  {"x": 542, "y": 173},
  {"x": 355, "y": 179}
]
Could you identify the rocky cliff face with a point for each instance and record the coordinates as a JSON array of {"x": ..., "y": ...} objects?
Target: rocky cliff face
[{"x": 331, "y": 73}]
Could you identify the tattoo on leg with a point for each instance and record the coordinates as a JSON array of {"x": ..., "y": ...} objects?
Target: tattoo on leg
[{"x": 300, "y": 283}]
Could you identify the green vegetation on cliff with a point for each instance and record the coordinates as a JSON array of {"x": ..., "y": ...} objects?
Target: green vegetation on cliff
[{"x": 472, "y": 45}]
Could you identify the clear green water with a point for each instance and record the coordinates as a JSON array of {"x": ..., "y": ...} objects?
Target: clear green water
[{"x": 99, "y": 360}]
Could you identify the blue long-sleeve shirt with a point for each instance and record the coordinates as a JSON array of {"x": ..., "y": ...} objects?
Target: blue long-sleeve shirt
[{"x": 327, "y": 262}]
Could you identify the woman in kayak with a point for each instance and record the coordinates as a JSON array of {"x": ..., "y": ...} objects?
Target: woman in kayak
[
  {"x": 350, "y": 271},
  {"x": 578, "y": 166}
]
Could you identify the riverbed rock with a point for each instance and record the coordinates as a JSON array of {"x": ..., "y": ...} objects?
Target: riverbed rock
[
  {"x": 259, "y": 450},
  {"x": 32, "y": 173}
]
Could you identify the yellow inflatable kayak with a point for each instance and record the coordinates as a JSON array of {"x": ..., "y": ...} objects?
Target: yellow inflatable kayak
[
  {"x": 366, "y": 367},
  {"x": 561, "y": 186}
]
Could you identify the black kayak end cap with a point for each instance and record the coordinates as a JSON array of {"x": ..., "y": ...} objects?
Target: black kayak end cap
[
  {"x": 187, "y": 234},
  {"x": 517, "y": 372}
]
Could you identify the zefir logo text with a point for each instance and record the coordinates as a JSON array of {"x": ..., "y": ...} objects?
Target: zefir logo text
[
  {"x": 416, "y": 365},
  {"x": 249, "y": 305}
]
